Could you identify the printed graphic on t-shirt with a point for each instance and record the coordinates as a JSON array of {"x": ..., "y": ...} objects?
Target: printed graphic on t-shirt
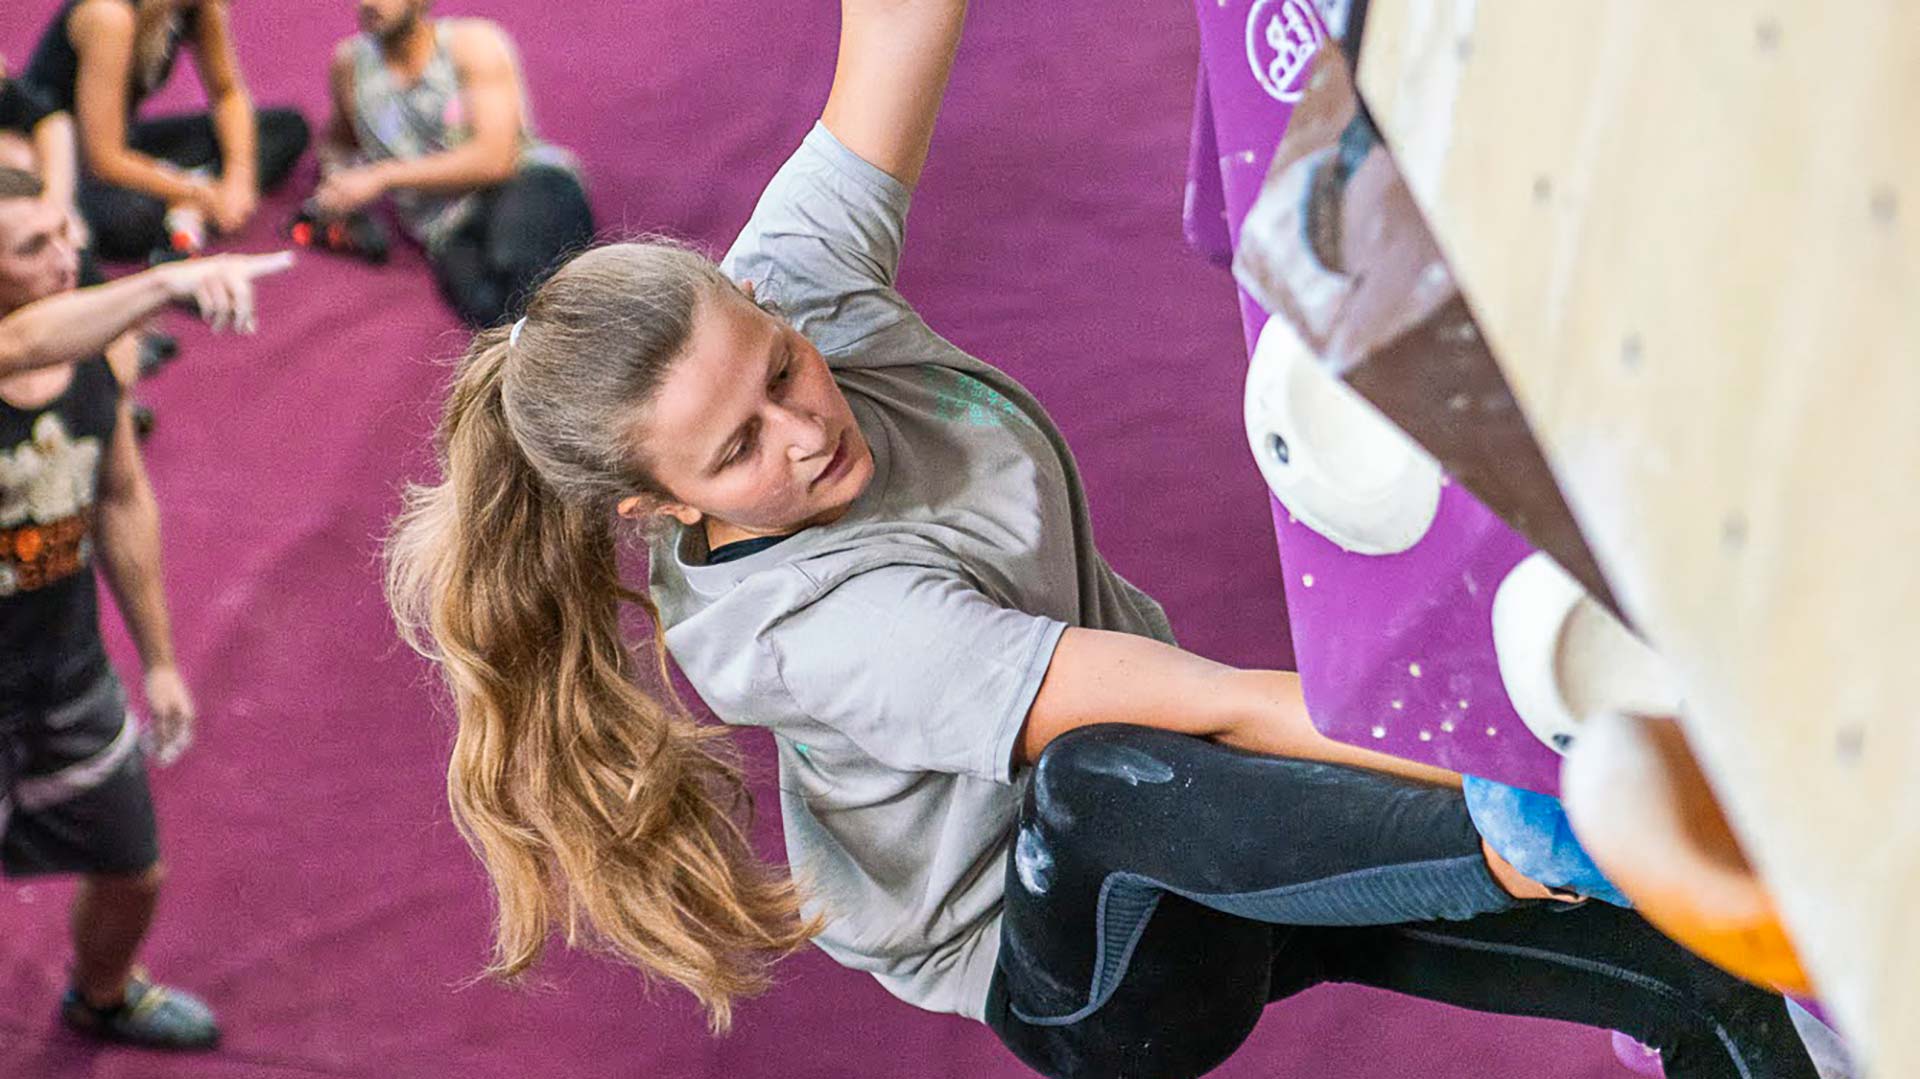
[
  {"x": 968, "y": 400},
  {"x": 46, "y": 497}
]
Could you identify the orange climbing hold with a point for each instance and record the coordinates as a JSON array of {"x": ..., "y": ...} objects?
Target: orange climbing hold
[{"x": 1645, "y": 812}]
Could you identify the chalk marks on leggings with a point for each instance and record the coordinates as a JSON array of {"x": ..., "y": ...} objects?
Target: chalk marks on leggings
[
  {"x": 1124, "y": 762},
  {"x": 1033, "y": 862}
]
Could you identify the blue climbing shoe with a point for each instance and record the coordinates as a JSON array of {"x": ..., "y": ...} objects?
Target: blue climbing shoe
[
  {"x": 1531, "y": 832},
  {"x": 149, "y": 1015}
]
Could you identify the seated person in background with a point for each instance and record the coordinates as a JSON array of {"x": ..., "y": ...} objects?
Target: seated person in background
[
  {"x": 73, "y": 786},
  {"x": 35, "y": 137},
  {"x": 434, "y": 112},
  {"x": 154, "y": 186}
]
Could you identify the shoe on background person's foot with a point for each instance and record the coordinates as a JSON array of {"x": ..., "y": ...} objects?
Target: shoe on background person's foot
[
  {"x": 358, "y": 234},
  {"x": 149, "y": 1015},
  {"x": 186, "y": 236}
]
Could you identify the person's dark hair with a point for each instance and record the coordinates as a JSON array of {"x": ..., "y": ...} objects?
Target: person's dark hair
[{"x": 19, "y": 184}]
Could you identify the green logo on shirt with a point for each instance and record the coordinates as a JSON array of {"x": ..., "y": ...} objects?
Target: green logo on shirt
[{"x": 968, "y": 400}]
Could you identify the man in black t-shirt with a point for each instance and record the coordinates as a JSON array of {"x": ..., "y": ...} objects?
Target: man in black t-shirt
[{"x": 73, "y": 491}]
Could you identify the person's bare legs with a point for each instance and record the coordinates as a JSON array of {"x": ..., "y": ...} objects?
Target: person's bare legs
[
  {"x": 110, "y": 917},
  {"x": 113, "y": 999}
]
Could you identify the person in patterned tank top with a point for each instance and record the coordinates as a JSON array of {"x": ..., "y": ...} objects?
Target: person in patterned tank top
[{"x": 434, "y": 112}]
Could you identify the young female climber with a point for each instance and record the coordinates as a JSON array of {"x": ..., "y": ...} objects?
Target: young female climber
[{"x": 1006, "y": 793}]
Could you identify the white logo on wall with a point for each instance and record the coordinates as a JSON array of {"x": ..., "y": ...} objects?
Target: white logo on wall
[{"x": 1282, "y": 36}]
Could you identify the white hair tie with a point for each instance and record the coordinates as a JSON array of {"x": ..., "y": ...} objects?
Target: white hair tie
[{"x": 513, "y": 335}]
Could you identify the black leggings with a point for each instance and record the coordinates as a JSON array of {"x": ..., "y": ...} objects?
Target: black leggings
[
  {"x": 517, "y": 233},
  {"x": 1165, "y": 889},
  {"x": 129, "y": 224}
]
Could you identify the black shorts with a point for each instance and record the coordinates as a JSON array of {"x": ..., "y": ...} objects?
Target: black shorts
[{"x": 73, "y": 786}]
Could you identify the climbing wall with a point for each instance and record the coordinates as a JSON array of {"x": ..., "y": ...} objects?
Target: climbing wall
[{"x": 1688, "y": 232}]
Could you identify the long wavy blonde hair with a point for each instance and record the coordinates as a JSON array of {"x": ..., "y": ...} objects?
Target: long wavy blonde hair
[{"x": 598, "y": 806}]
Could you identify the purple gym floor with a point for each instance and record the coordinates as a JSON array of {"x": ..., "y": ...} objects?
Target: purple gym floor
[{"x": 319, "y": 897}]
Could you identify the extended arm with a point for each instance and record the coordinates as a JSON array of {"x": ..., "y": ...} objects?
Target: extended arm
[
  {"x": 895, "y": 57},
  {"x": 1102, "y": 677},
  {"x": 75, "y": 325}
]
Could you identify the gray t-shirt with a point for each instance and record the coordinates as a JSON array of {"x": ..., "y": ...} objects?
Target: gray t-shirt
[{"x": 895, "y": 652}]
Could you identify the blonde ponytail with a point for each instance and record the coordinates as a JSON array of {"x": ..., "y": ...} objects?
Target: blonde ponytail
[{"x": 597, "y": 806}]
